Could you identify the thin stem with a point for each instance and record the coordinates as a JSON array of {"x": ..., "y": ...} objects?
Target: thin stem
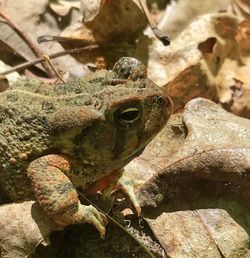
[
  {"x": 52, "y": 56},
  {"x": 158, "y": 34},
  {"x": 118, "y": 225},
  {"x": 147, "y": 13},
  {"x": 46, "y": 57}
]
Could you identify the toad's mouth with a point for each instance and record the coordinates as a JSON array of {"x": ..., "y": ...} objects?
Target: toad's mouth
[
  {"x": 137, "y": 153},
  {"x": 130, "y": 157}
]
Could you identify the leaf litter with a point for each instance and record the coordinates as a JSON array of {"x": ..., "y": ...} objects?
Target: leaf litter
[{"x": 193, "y": 179}]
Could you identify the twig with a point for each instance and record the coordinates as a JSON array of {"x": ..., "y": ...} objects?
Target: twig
[
  {"x": 59, "y": 39},
  {"x": 52, "y": 56},
  {"x": 118, "y": 225},
  {"x": 46, "y": 57},
  {"x": 158, "y": 34},
  {"x": 35, "y": 49}
]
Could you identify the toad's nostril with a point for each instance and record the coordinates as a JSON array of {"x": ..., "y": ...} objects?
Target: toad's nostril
[{"x": 160, "y": 100}]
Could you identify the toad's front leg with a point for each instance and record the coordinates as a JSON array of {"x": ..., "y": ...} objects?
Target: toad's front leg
[{"x": 57, "y": 195}]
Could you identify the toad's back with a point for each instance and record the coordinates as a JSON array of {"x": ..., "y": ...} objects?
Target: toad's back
[
  {"x": 25, "y": 111},
  {"x": 23, "y": 137},
  {"x": 25, "y": 130}
]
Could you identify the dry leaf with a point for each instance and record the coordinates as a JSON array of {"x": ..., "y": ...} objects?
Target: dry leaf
[
  {"x": 225, "y": 152},
  {"x": 7, "y": 80},
  {"x": 63, "y": 7},
  {"x": 165, "y": 64},
  {"x": 137, "y": 2},
  {"x": 241, "y": 8},
  {"x": 210, "y": 232},
  {"x": 36, "y": 20},
  {"x": 211, "y": 64},
  {"x": 200, "y": 193},
  {"x": 4, "y": 84},
  {"x": 243, "y": 35},
  {"x": 11, "y": 41},
  {"x": 114, "y": 29},
  {"x": 90, "y": 8},
  {"x": 180, "y": 14},
  {"x": 23, "y": 227}
]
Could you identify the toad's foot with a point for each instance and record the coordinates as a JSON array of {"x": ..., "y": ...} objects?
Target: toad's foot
[
  {"x": 57, "y": 195},
  {"x": 84, "y": 214},
  {"x": 126, "y": 184}
]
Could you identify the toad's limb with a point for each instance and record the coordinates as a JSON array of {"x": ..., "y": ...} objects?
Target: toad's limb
[
  {"x": 126, "y": 184},
  {"x": 57, "y": 195},
  {"x": 117, "y": 180}
]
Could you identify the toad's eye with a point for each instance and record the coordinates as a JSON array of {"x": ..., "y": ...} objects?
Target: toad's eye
[{"x": 127, "y": 116}]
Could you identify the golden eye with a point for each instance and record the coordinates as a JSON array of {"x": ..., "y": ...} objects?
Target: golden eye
[{"x": 127, "y": 116}]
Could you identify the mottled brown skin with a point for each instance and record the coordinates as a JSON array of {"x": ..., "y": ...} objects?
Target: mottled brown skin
[{"x": 56, "y": 138}]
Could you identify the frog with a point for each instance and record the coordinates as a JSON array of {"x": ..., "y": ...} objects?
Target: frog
[{"x": 57, "y": 138}]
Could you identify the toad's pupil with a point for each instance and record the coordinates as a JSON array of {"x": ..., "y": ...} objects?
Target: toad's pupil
[{"x": 127, "y": 116}]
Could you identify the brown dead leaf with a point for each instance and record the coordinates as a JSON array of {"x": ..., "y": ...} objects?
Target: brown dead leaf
[
  {"x": 215, "y": 138},
  {"x": 211, "y": 64},
  {"x": 200, "y": 193},
  {"x": 232, "y": 80},
  {"x": 116, "y": 21},
  {"x": 114, "y": 29},
  {"x": 165, "y": 64},
  {"x": 4, "y": 84},
  {"x": 23, "y": 227},
  {"x": 243, "y": 35}
]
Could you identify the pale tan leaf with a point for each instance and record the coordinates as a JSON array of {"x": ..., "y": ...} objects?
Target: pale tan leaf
[
  {"x": 209, "y": 168},
  {"x": 63, "y": 7},
  {"x": 35, "y": 19},
  {"x": 13, "y": 77},
  {"x": 10, "y": 40},
  {"x": 90, "y": 8},
  {"x": 203, "y": 121},
  {"x": 23, "y": 227},
  {"x": 137, "y": 2},
  {"x": 241, "y": 8},
  {"x": 210, "y": 232},
  {"x": 180, "y": 14}
]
